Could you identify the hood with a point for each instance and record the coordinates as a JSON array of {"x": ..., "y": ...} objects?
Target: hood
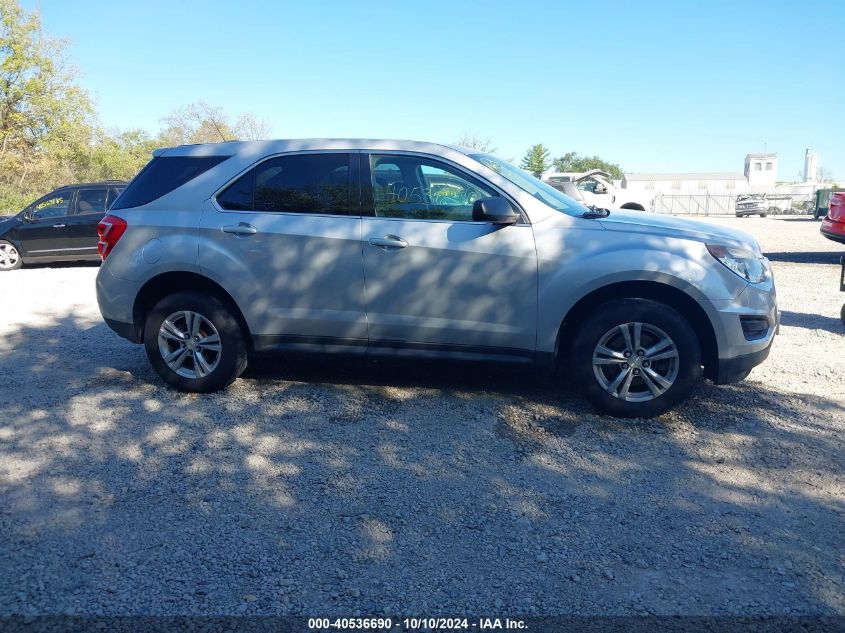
[
  {"x": 671, "y": 226},
  {"x": 596, "y": 174}
]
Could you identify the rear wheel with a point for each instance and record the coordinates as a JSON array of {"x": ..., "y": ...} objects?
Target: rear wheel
[
  {"x": 194, "y": 342},
  {"x": 635, "y": 358},
  {"x": 10, "y": 258}
]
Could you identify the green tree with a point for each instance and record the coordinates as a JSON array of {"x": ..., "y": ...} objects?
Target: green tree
[
  {"x": 572, "y": 162},
  {"x": 49, "y": 131},
  {"x": 44, "y": 116},
  {"x": 203, "y": 123},
  {"x": 196, "y": 123},
  {"x": 536, "y": 160}
]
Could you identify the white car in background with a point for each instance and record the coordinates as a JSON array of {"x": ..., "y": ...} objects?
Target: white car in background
[{"x": 597, "y": 189}]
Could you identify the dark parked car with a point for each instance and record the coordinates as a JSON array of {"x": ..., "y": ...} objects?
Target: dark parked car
[{"x": 61, "y": 226}]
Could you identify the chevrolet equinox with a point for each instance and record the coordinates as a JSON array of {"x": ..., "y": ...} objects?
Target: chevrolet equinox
[{"x": 217, "y": 252}]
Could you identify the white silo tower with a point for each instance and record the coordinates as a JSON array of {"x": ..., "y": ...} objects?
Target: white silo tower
[{"x": 810, "y": 166}]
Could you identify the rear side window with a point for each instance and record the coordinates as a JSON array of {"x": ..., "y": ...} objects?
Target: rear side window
[
  {"x": 305, "y": 183},
  {"x": 162, "y": 175},
  {"x": 91, "y": 201},
  {"x": 113, "y": 194}
]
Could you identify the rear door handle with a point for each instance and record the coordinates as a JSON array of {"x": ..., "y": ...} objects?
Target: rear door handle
[
  {"x": 388, "y": 242},
  {"x": 241, "y": 228},
  {"x": 59, "y": 226}
]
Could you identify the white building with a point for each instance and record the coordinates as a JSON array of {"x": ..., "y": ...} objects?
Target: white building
[
  {"x": 759, "y": 176},
  {"x": 687, "y": 183},
  {"x": 761, "y": 171}
]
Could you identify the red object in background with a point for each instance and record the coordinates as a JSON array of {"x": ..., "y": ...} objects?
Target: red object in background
[
  {"x": 833, "y": 226},
  {"x": 110, "y": 229}
]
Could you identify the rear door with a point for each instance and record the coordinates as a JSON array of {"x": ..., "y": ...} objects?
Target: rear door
[
  {"x": 47, "y": 232},
  {"x": 435, "y": 279},
  {"x": 91, "y": 203},
  {"x": 285, "y": 240}
]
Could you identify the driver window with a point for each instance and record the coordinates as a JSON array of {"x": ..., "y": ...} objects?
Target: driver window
[
  {"x": 419, "y": 188},
  {"x": 52, "y": 207}
]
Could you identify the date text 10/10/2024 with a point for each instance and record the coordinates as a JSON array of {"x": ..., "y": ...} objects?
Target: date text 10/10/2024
[{"x": 411, "y": 624}]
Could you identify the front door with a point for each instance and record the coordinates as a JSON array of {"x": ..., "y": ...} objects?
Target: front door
[
  {"x": 285, "y": 240},
  {"x": 436, "y": 280},
  {"x": 46, "y": 231}
]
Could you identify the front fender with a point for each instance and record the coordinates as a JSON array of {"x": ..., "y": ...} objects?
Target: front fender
[{"x": 571, "y": 269}]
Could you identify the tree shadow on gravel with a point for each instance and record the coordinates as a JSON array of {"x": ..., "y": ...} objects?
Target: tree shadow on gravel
[{"x": 336, "y": 487}]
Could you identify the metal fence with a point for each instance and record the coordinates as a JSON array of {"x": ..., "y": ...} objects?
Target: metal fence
[{"x": 705, "y": 204}]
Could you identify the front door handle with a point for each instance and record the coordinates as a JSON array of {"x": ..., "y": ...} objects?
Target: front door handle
[
  {"x": 388, "y": 242},
  {"x": 241, "y": 228},
  {"x": 59, "y": 226}
]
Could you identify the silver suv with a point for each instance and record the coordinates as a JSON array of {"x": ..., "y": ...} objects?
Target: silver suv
[{"x": 214, "y": 253}]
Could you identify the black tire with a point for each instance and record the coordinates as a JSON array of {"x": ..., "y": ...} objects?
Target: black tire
[
  {"x": 650, "y": 314},
  {"x": 231, "y": 358},
  {"x": 763, "y": 215},
  {"x": 4, "y": 267},
  {"x": 842, "y": 314}
]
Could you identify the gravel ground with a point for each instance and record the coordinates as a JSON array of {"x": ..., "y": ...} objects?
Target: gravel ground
[{"x": 336, "y": 488}]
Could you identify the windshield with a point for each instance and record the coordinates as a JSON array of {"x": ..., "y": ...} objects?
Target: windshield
[{"x": 528, "y": 183}]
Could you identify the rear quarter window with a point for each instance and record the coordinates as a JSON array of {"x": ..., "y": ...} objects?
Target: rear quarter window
[
  {"x": 162, "y": 175},
  {"x": 300, "y": 183}
]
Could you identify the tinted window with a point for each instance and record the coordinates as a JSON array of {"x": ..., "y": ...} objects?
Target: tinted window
[
  {"x": 113, "y": 194},
  {"x": 162, "y": 175},
  {"x": 423, "y": 189},
  {"x": 306, "y": 183},
  {"x": 239, "y": 195},
  {"x": 91, "y": 201},
  {"x": 53, "y": 206}
]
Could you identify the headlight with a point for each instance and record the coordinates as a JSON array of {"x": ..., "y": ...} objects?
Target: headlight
[{"x": 739, "y": 260}]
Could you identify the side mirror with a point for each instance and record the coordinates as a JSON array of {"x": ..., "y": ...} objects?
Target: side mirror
[
  {"x": 600, "y": 188},
  {"x": 495, "y": 210}
]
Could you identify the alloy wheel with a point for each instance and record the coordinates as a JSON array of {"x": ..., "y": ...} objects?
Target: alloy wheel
[
  {"x": 9, "y": 256},
  {"x": 635, "y": 362},
  {"x": 189, "y": 344}
]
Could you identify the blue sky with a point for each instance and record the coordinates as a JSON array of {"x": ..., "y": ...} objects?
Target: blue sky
[{"x": 654, "y": 86}]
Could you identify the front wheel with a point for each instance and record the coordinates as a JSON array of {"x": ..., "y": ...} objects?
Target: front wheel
[
  {"x": 10, "y": 258},
  {"x": 194, "y": 342},
  {"x": 635, "y": 358}
]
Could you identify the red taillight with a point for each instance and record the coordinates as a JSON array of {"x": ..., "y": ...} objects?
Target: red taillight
[
  {"x": 110, "y": 229},
  {"x": 836, "y": 211}
]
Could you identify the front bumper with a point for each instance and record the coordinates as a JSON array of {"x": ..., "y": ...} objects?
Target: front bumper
[
  {"x": 743, "y": 212},
  {"x": 741, "y": 341},
  {"x": 730, "y": 370}
]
